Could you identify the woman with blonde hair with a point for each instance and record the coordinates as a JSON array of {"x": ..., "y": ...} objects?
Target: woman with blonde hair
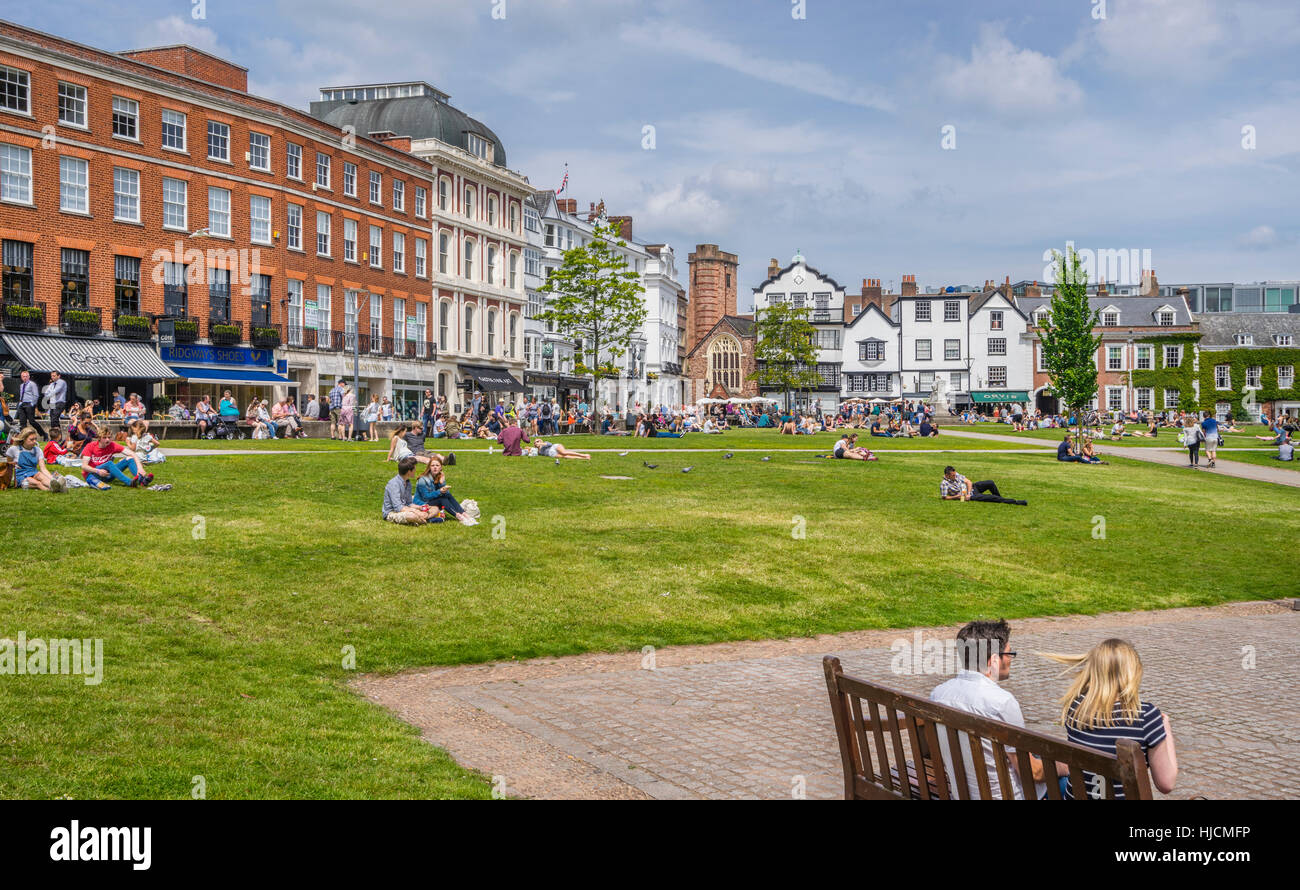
[{"x": 1104, "y": 705}]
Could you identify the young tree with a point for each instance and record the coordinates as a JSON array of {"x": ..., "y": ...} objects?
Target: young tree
[
  {"x": 596, "y": 302},
  {"x": 786, "y": 350},
  {"x": 1069, "y": 345}
]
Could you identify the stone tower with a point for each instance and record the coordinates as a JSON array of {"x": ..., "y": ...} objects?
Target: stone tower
[{"x": 712, "y": 290}]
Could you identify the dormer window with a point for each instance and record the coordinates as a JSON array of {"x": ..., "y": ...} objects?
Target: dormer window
[
  {"x": 1245, "y": 339},
  {"x": 1165, "y": 316},
  {"x": 1282, "y": 339},
  {"x": 478, "y": 146},
  {"x": 1110, "y": 317}
]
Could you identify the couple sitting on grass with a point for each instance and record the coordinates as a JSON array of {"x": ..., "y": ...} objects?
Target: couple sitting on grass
[
  {"x": 847, "y": 448},
  {"x": 1102, "y": 705},
  {"x": 432, "y": 499}
]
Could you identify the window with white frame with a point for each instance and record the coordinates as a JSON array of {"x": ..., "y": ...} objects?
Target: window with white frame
[
  {"x": 1223, "y": 376},
  {"x": 492, "y": 210},
  {"x": 1115, "y": 398},
  {"x": 1144, "y": 358},
  {"x": 1254, "y": 374},
  {"x": 15, "y": 174},
  {"x": 469, "y": 202},
  {"x": 995, "y": 319},
  {"x": 399, "y": 252},
  {"x": 219, "y": 211},
  {"x": 922, "y": 350},
  {"x": 1285, "y": 376},
  {"x": 421, "y": 257},
  {"x": 1165, "y": 319},
  {"x": 1173, "y": 355},
  {"x": 1282, "y": 339},
  {"x": 444, "y": 194},
  {"x": 493, "y": 276},
  {"x": 421, "y": 201},
  {"x": 492, "y": 332},
  {"x": 535, "y": 304},
  {"x": 324, "y": 223},
  {"x": 293, "y": 161},
  {"x": 72, "y": 105},
  {"x": 478, "y": 146},
  {"x": 469, "y": 258},
  {"x": 126, "y": 118},
  {"x": 468, "y": 345},
  {"x": 294, "y": 312},
  {"x": 350, "y": 298},
  {"x": 376, "y": 321},
  {"x": 925, "y": 381},
  {"x": 871, "y": 351},
  {"x": 173, "y": 129},
  {"x": 997, "y": 346},
  {"x": 1245, "y": 339},
  {"x": 514, "y": 217},
  {"x": 879, "y": 383},
  {"x": 444, "y": 324},
  {"x": 399, "y": 195},
  {"x": 73, "y": 185},
  {"x": 126, "y": 194},
  {"x": 322, "y": 170},
  {"x": 259, "y": 151},
  {"x": 922, "y": 312},
  {"x": 444, "y": 252},
  {"x": 514, "y": 271},
  {"x": 954, "y": 380},
  {"x": 376, "y": 247},
  {"x": 532, "y": 220},
  {"x": 259, "y": 219},
  {"x": 324, "y": 297},
  {"x": 422, "y": 327},
  {"x": 997, "y": 376},
  {"x": 1109, "y": 319},
  {"x": 350, "y": 240},
  {"x": 951, "y": 350},
  {"x": 1042, "y": 357},
  {"x": 399, "y": 318},
  {"x": 175, "y": 203},
  {"x": 349, "y": 179},
  {"x": 1171, "y": 398},
  {"x": 1114, "y": 358},
  {"x": 218, "y": 141},
  {"x": 15, "y": 92},
  {"x": 293, "y": 226},
  {"x": 376, "y": 187},
  {"x": 1143, "y": 398},
  {"x": 952, "y": 310}
]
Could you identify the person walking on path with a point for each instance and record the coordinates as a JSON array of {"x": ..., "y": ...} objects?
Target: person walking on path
[
  {"x": 1210, "y": 432},
  {"x": 1191, "y": 437}
]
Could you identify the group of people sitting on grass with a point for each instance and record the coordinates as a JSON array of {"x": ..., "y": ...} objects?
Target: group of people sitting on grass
[
  {"x": 430, "y": 500},
  {"x": 1102, "y": 705},
  {"x": 103, "y": 457}
]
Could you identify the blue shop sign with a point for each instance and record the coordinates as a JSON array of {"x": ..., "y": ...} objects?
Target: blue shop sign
[{"x": 218, "y": 355}]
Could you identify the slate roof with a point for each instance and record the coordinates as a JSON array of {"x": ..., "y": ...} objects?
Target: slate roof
[
  {"x": 1220, "y": 329},
  {"x": 419, "y": 117},
  {"x": 1133, "y": 311}
]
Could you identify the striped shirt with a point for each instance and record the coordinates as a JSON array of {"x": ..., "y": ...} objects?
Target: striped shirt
[
  {"x": 955, "y": 485},
  {"x": 1148, "y": 730}
]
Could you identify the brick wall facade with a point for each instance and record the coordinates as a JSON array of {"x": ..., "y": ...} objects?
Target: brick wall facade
[{"x": 712, "y": 290}]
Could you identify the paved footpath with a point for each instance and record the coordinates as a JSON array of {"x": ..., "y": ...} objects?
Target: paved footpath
[
  {"x": 1173, "y": 457},
  {"x": 752, "y": 720}
]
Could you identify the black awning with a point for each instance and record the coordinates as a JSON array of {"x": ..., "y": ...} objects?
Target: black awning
[
  {"x": 88, "y": 357},
  {"x": 490, "y": 379}
]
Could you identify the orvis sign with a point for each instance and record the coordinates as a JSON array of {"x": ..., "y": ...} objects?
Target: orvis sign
[{"x": 217, "y": 355}]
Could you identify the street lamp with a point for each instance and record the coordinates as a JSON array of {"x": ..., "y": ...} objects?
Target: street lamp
[{"x": 356, "y": 347}]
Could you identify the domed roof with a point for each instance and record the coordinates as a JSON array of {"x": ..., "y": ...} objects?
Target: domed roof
[{"x": 419, "y": 117}]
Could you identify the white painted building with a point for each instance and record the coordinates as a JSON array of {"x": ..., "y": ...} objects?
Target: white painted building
[
  {"x": 871, "y": 358},
  {"x": 934, "y": 352},
  {"x": 800, "y": 285},
  {"x": 1001, "y": 349}
]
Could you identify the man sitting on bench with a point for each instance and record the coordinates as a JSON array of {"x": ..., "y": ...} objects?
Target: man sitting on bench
[
  {"x": 982, "y": 647},
  {"x": 956, "y": 487}
]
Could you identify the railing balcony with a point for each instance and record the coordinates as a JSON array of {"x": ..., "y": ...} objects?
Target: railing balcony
[
  {"x": 381, "y": 345},
  {"x": 23, "y": 317},
  {"x": 187, "y": 328},
  {"x": 223, "y": 332},
  {"x": 821, "y": 315},
  {"x": 265, "y": 336},
  {"x": 81, "y": 320},
  {"x": 131, "y": 325}
]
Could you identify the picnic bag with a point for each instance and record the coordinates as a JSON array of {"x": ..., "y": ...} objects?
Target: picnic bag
[
  {"x": 471, "y": 508},
  {"x": 7, "y": 474}
]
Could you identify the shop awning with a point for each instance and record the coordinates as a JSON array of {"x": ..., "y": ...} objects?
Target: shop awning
[
  {"x": 88, "y": 357},
  {"x": 232, "y": 375},
  {"x": 990, "y": 397},
  {"x": 492, "y": 379}
]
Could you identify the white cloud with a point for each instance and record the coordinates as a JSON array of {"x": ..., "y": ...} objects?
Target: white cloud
[
  {"x": 1008, "y": 80},
  {"x": 807, "y": 77},
  {"x": 1260, "y": 238},
  {"x": 174, "y": 29}
]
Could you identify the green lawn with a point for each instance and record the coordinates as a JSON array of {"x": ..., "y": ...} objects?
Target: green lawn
[
  {"x": 223, "y": 653},
  {"x": 1262, "y": 458},
  {"x": 1166, "y": 439},
  {"x": 766, "y": 440}
]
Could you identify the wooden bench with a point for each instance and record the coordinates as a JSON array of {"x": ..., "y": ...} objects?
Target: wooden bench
[{"x": 884, "y": 734}]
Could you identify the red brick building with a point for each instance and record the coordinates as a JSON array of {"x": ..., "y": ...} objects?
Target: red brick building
[
  {"x": 150, "y": 185},
  {"x": 720, "y": 360}
]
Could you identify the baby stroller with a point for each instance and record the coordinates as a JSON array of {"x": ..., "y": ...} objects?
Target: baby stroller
[{"x": 222, "y": 428}]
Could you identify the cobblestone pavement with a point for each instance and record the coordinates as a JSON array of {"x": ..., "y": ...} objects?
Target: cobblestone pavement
[
  {"x": 752, "y": 720},
  {"x": 1173, "y": 457}
]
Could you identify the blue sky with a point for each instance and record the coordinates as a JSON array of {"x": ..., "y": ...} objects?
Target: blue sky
[{"x": 823, "y": 133}]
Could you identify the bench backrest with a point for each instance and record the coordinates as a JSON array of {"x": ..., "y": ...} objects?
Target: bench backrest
[{"x": 885, "y": 735}]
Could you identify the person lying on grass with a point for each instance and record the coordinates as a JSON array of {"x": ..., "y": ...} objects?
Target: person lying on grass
[
  {"x": 552, "y": 449},
  {"x": 399, "y": 444},
  {"x": 956, "y": 487},
  {"x": 100, "y": 463},
  {"x": 399, "y": 506},
  {"x": 847, "y": 448}
]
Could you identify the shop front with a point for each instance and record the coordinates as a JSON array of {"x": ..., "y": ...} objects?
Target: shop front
[
  {"x": 480, "y": 378},
  {"x": 95, "y": 369},
  {"x": 563, "y": 388},
  {"x": 211, "y": 370},
  {"x": 999, "y": 398}
]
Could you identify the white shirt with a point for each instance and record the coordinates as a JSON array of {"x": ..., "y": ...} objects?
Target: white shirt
[{"x": 975, "y": 693}]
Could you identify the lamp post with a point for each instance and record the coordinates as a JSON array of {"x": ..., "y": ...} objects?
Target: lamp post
[{"x": 356, "y": 349}]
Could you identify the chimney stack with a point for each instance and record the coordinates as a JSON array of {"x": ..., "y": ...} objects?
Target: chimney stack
[
  {"x": 1033, "y": 290},
  {"x": 624, "y": 226},
  {"x": 909, "y": 286},
  {"x": 773, "y": 267},
  {"x": 1150, "y": 286}
]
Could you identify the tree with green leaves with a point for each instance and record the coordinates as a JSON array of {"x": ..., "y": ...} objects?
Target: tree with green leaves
[
  {"x": 786, "y": 350},
  {"x": 1069, "y": 344},
  {"x": 594, "y": 300}
]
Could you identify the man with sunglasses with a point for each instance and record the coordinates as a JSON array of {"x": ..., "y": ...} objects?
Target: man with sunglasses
[{"x": 982, "y": 647}]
